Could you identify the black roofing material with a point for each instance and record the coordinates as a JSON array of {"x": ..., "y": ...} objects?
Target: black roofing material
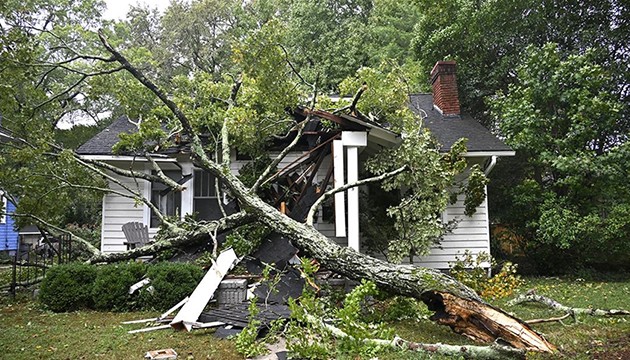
[
  {"x": 448, "y": 129},
  {"x": 102, "y": 143},
  {"x": 238, "y": 315}
]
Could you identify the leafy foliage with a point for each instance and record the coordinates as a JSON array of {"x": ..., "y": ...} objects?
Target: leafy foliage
[
  {"x": 564, "y": 116},
  {"x": 171, "y": 282},
  {"x": 472, "y": 270},
  {"x": 68, "y": 287},
  {"x": 110, "y": 290}
]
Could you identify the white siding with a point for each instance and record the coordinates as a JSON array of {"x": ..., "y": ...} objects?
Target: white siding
[
  {"x": 471, "y": 233},
  {"x": 119, "y": 210}
]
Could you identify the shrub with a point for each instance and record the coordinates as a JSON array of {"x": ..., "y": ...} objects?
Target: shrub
[
  {"x": 111, "y": 287},
  {"x": 469, "y": 271},
  {"x": 68, "y": 287},
  {"x": 170, "y": 282}
]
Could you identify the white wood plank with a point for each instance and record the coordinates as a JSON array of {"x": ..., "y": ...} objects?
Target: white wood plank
[
  {"x": 353, "y": 198},
  {"x": 340, "y": 201},
  {"x": 177, "y": 306},
  {"x": 153, "y": 328},
  {"x": 204, "y": 291}
]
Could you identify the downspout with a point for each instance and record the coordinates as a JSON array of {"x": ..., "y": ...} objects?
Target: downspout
[{"x": 493, "y": 162}]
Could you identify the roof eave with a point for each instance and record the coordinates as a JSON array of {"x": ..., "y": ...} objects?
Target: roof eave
[{"x": 486, "y": 153}]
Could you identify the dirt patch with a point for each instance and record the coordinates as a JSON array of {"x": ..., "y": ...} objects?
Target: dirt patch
[{"x": 617, "y": 349}]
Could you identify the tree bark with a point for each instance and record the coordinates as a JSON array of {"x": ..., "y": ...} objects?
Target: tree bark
[{"x": 569, "y": 310}]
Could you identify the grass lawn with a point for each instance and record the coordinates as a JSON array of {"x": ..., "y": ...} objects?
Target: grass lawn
[{"x": 28, "y": 332}]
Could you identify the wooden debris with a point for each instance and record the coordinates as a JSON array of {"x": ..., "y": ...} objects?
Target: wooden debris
[
  {"x": 177, "y": 306},
  {"x": 532, "y": 297},
  {"x": 133, "y": 288},
  {"x": 553, "y": 319},
  {"x": 147, "y": 329},
  {"x": 164, "y": 354},
  {"x": 204, "y": 291},
  {"x": 482, "y": 322}
]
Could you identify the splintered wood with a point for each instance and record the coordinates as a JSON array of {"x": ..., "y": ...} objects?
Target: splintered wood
[{"x": 482, "y": 322}]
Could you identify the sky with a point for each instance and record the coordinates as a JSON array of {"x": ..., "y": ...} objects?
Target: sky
[{"x": 117, "y": 9}]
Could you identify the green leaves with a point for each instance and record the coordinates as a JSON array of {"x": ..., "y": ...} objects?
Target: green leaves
[{"x": 565, "y": 117}]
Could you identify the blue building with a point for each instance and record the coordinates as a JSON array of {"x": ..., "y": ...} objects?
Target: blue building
[{"x": 8, "y": 233}]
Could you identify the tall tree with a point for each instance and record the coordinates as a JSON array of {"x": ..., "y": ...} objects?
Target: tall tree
[
  {"x": 570, "y": 196},
  {"x": 488, "y": 39}
]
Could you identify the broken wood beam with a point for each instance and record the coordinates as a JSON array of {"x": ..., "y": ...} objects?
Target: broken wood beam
[
  {"x": 147, "y": 329},
  {"x": 204, "y": 291}
]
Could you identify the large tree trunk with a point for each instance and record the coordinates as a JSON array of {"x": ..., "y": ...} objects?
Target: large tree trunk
[{"x": 466, "y": 312}]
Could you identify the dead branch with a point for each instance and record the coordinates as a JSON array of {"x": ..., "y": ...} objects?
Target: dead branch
[
  {"x": 532, "y": 297},
  {"x": 313, "y": 209},
  {"x": 355, "y": 100},
  {"x": 553, "y": 319}
]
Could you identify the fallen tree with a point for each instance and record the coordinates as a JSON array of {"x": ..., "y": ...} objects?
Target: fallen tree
[{"x": 455, "y": 304}]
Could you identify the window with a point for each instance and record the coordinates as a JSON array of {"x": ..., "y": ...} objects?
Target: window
[
  {"x": 169, "y": 202},
  {"x": 205, "y": 201}
]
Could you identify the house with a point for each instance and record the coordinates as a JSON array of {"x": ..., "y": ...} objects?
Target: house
[
  {"x": 8, "y": 234},
  {"x": 323, "y": 158}
]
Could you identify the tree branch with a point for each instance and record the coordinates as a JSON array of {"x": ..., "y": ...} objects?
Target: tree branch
[
  {"x": 532, "y": 297},
  {"x": 163, "y": 178},
  {"x": 311, "y": 212},
  {"x": 136, "y": 194},
  {"x": 93, "y": 251},
  {"x": 300, "y": 130},
  {"x": 178, "y": 238},
  {"x": 494, "y": 351}
]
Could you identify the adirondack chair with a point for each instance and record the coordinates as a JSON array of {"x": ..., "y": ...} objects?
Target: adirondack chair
[{"x": 137, "y": 235}]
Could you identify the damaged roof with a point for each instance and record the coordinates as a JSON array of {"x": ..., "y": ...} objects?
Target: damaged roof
[{"x": 448, "y": 129}]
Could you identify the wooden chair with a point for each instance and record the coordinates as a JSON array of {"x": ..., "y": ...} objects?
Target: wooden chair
[{"x": 137, "y": 235}]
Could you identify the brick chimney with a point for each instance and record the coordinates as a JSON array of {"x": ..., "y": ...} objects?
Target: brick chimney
[{"x": 444, "y": 83}]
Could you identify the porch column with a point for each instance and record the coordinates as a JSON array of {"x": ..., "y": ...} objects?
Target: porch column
[
  {"x": 353, "y": 140},
  {"x": 353, "y": 198},
  {"x": 187, "y": 194},
  {"x": 340, "y": 200}
]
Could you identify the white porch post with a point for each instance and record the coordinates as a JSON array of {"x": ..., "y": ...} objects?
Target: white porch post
[
  {"x": 340, "y": 202},
  {"x": 353, "y": 198},
  {"x": 353, "y": 140},
  {"x": 187, "y": 194}
]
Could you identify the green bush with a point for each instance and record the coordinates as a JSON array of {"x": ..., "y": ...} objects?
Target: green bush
[
  {"x": 111, "y": 287},
  {"x": 171, "y": 282},
  {"x": 68, "y": 287}
]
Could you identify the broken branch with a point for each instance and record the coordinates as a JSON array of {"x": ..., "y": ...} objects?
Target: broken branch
[
  {"x": 494, "y": 351},
  {"x": 311, "y": 212},
  {"x": 523, "y": 298}
]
